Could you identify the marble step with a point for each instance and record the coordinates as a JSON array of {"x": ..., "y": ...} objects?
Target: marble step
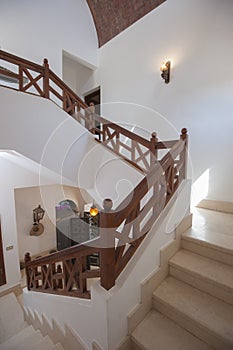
[
  {"x": 214, "y": 245},
  {"x": 11, "y": 317},
  {"x": 26, "y": 339},
  {"x": 203, "y": 273},
  {"x": 208, "y": 318},
  {"x": 157, "y": 332}
]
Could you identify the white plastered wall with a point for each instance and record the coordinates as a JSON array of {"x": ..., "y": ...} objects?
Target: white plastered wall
[
  {"x": 103, "y": 318},
  {"x": 38, "y": 29},
  {"x": 28, "y": 198},
  {"x": 17, "y": 172},
  {"x": 197, "y": 36},
  {"x": 38, "y": 129}
]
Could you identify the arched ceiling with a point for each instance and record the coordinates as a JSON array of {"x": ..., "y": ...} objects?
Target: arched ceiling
[{"x": 111, "y": 17}]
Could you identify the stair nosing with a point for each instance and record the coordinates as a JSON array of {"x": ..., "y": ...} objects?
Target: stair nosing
[
  {"x": 206, "y": 278},
  {"x": 208, "y": 244},
  {"x": 198, "y": 324}
]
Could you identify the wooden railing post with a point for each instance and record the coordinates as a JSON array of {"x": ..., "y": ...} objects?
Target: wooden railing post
[
  {"x": 107, "y": 252},
  {"x": 46, "y": 78},
  {"x": 20, "y": 78},
  {"x": 183, "y": 154},
  {"x": 27, "y": 259},
  {"x": 153, "y": 150},
  {"x": 59, "y": 280}
]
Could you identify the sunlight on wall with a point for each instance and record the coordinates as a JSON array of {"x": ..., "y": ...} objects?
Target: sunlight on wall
[{"x": 200, "y": 188}]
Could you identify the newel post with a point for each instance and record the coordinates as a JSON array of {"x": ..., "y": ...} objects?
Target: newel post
[
  {"x": 183, "y": 154},
  {"x": 107, "y": 252},
  {"x": 27, "y": 259},
  {"x": 46, "y": 78}
]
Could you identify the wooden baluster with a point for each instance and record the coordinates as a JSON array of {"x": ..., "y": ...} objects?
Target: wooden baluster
[
  {"x": 59, "y": 280},
  {"x": 183, "y": 155},
  {"x": 36, "y": 282},
  {"x": 153, "y": 149},
  {"x": 117, "y": 142},
  {"x": 53, "y": 272},
  {"x": 107, "y": 253},
  {"x": 83, "y": 281},
  {"x": 64, "y": 103},
  {"x": 104, "y": 132},
  {"x": 136, "y": 222},
  {"x": 46, "y": 78},
  {"x": 91, "y": 110},
  {"x": 27, "y": 259},
  {"x": 20, "y": 78},
  {"x": 133, "y": 150}
]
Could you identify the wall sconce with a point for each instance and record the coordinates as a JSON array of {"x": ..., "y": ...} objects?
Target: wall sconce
[
  {"x": 37, "y": 228},
  {"x": 93, "y": 210},
  {"x": 165, "y": 69}
]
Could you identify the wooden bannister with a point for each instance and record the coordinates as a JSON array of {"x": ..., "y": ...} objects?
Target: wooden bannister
[
  {"x": 41, "y": 80},
  {"x": 121, "y": 232},
  {"x": 122, "y": 229}
]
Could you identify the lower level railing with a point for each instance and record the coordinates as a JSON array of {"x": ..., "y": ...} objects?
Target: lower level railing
[{"x": 121, "y": 231}]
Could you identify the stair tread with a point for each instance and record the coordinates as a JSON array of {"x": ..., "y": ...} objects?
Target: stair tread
[
  {"x": 215, "y": 271},
  {"x": 157, "y": 331},
  {"x": 9, "y": 325},
  {"x": 208, "y": 311},
  {"x": 45, "y": 344},
  {"x": 23, "y": 340},
  {"x": 218, "y": 241}
]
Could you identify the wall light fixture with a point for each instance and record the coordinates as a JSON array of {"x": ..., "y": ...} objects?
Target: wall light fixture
[
  {"x": 165, "y": 69},
  {"x": 37, "y": 228}
]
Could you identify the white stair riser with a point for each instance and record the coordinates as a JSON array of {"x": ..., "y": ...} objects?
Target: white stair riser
[
  {"x": 204, "y": 284},
  {"x": 191, "y": 325},
  {"x": 208, "y": 251}
]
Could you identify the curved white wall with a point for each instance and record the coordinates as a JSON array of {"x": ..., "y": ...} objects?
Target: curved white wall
[
  {"x": 44, "y": 133},
  {"x": 38, "y": 29},
  {"x": 197, "y": 36}
]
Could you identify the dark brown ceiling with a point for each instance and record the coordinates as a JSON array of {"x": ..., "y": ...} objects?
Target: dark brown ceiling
[{"x": 111, "y": 17}]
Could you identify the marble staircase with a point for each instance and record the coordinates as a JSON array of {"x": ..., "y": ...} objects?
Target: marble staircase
[
  {"x": 15, "y": 333},
  {"x": 193, "y": 306}
]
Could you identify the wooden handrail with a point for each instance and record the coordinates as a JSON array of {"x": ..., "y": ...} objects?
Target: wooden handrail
[
  {"x": 132, "y": 213},
  {"x": 42, "y": 81},
  {"x": 66, "y": 272}
]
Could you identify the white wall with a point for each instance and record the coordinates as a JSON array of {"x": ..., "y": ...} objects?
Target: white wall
[
  {"x": 16, "y": 172},
  {"x": 76, "y": 75},
  {"x": 106, "y": 312},
  {"x": 28, "y": 198},
  {"x": 38, "y": 29},
  {"x": 197, "y": 36},
  {"x": 61, "y": 144},
  {"x": 39, "y": 130}
]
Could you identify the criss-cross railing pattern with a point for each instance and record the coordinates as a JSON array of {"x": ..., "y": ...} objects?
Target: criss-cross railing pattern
[
  {"x": 39, "y": 80},
  {"x": 135, "y": 149},
  {"x": 121, "y": 232},
  {"x": 33, "y": 78},
  {"x": 65, "y": 272}
]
